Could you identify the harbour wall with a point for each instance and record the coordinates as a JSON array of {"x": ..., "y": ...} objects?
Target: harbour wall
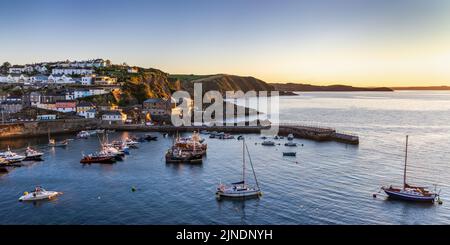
[{"x": 40, "y": 128}]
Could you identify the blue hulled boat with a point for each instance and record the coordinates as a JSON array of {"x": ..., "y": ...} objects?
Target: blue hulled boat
[{"x": 409, "y": 192}]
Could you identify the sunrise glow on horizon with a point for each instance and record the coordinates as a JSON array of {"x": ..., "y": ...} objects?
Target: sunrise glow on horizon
[{"x": 354, "y": 42}]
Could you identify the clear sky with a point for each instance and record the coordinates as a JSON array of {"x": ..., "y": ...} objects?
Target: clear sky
[{"x": 357, "y": 42}]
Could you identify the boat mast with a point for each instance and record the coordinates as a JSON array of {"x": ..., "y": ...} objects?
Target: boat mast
[
  {"x": 406, "y": 159},
  {"x": 253, "y": 169},
  {"x": 243, "y": 161}
]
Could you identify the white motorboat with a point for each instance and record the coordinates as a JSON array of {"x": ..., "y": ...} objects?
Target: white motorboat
[
  {"x": 240, "y": 189},
  {"x": 290, "y": 137},
  {"x": 12, "y": 157},
  {"x": 131, "y": 143},
  {"x": 33, "y": 155},
  {"x": 83, "y": 135},
  {"x": 39, "y": 194}
]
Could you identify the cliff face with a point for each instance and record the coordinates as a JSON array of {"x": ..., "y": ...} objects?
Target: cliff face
[
  {"x": 147, "y": 85},
  {"x": 152, "y": 83},
  {"x": 223, "y": 83}
]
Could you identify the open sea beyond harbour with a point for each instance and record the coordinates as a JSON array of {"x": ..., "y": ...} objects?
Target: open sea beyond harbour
[{"x": 327, "y": 183}]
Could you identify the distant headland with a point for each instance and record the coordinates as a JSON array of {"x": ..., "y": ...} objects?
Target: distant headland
[{"x": 334, "y": 88}]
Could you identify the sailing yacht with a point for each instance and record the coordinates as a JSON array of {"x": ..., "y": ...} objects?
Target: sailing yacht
[
  {"x": 240, "y": 189},
  {"x": 409, "y": 192}
]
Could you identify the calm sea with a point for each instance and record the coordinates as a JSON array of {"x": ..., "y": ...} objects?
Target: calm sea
[{"x": 327, "y": 183}]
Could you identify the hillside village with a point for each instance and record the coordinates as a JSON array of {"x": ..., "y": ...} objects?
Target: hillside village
[{"x": 78, "y": 89}]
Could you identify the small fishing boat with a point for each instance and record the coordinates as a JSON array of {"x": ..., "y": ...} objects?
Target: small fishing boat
[
  {"x": 290, "y": 144},
  {"x": 409, "y": 192},
  {"x": 98, "y": 158},
  {"x": 33, "y": 155},
  {"x": 149, "y": 137},
  {"x": 268, "y": 143},
  {"x": 11, "y": 157},
  {"x": 39, "y": 194},
  {"x": 176, "y": 155},
  {"x": 112, "y": 151},
  {"x": 83, "y": 135},
  {"x": 53, "y": 143},
  {"x": 138, "y": 139},
  {"x": 290, "y": 137},
  {"x": 131, "y": 143},
  {"x": 240, "y": 137},
  {"x": 290, "y": 154},
  {"x": 228, "y": 136},
  {"x": 240, "y": 189}
]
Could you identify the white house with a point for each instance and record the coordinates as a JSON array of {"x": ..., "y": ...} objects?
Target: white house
[
  {"x": 90, "y": 113},
  {"x": 3, "y": 78},
  {"x": 133, "y": 70},
  {"x": 28, "y": 69},
  {"x": 60, "y": 79},
  {"x": 16, "y": 69},
  {"x": 72, "y": 71},
  {"x": 89, "y": 63},
  {"x": 86, "y": 80},
  {"x": 114, "y": 116},
  {"x": 105, "y": 80},
  {"x": 17, "y": 78},
  {"x": 40, "y": 68},
  {"x": 38, "y": 79},
  {"x": 97, "y": 91}
]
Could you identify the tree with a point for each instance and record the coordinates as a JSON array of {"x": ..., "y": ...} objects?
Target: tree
[
  {"x": 6, "y": 64},
  {"x": 4, "y": 68}
]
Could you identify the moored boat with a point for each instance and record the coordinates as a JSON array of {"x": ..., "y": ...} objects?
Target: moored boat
[
  {"x": 54, "y": 143},
  {"x": 290, "y": 144},
  {"x": 149, "y": 137},
  {"x": 11, "y": 157},
  {"x": 83, "y": 135},
  {"x": 289, "y": 154},
  {"x": 409, "y": 192},
  {"x": 176, "y": 155},
  {"x": 131, "y": 143},
  {"x": 290, "y": 137},
  {"x": 39, "y": 194},
  {"x": 268, "y": 143},
  {"x": 240, "y": 189},
  {"x": 98, "y": 158},
  {"x": 33, "y": 155}
]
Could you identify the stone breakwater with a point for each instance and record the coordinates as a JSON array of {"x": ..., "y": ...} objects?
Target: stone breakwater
[{"x": 40, "y": 128}]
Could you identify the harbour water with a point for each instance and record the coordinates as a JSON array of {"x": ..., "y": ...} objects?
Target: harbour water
[{"x": 327, "y": 183}]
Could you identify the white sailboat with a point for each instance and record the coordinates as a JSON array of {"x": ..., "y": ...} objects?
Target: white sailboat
[{"x": 240, "y": 189}]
